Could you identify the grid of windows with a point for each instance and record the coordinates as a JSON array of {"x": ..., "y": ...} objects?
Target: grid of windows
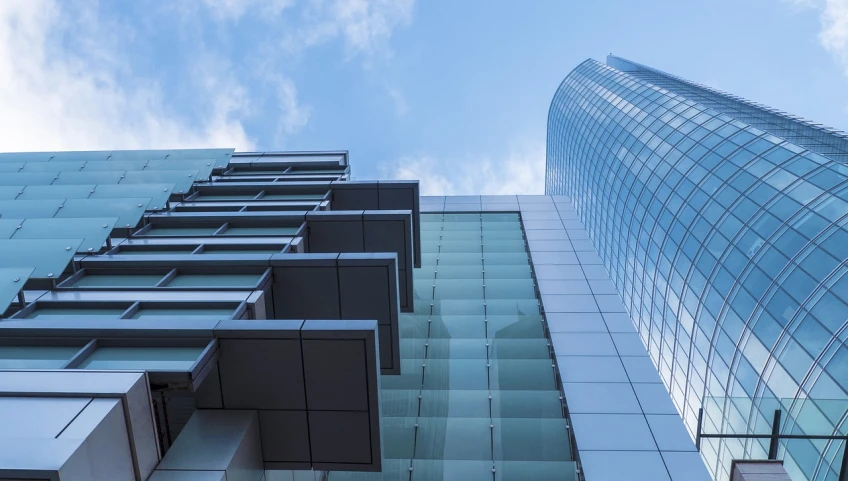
[
  {"x": 477, "y": 398},
  {"x": 728, "y": 245},
  {"x": 817, "y": 138}
]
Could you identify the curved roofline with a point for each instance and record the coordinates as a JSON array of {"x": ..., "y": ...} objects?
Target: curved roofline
[{"x": 640, "y": 67}]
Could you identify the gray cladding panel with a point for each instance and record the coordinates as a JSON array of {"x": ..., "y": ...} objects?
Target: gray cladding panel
[
  {"x": 355, "y": 199},
  {"x": 336, "y": 236},
  {"x": 357, "y": 287},
  {"x": 340, "y": 438},
  {"x": 364, "y": 292},
  {"x": 285, "y": 436},
  {"x": 261, "y": 374},
  {"x": 317, "y": 393},
  {"x": 336, "y": 375},
  {"x": 306, "y": 292}
]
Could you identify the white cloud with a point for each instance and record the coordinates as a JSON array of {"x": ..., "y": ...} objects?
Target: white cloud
[
  {"x": 834, "y": 32},
  {"x": 235, "y": 9},
  {"x": 398, "y": 100},
  {"x": 55, "y": 97},
  {"x": 520, "y": 171},
  {"x": 365, "y": 26}
]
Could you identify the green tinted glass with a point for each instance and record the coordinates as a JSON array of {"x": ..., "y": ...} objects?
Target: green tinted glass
[
  {"x": 54, "y": 166},
  {"x": 166, "y": 230},
  {"x": 8, "y": 167},
  {"x": 117, "y": 280},
  {"x": 12, "y": 280},
  {"x": 438, "y": 470},
  {"x": 457, "y": 326},
  {"x": 48, "y": 257},
  {"x": 453, "y": 438},
  {"x": 8, "y": 227},
  {"x": 147, "y": 358},
  {"x": 455, "y": 374},
  {"x": 157, "y": 193},
  {"x": 214, "y": 280},
  {"x": 455, "y": 403},
  {"x": 35, "y": 357},
  {"x": 95, "y": 155},
  {"x": 182, "y": 179},
  {"x": 203, "y": 166},
  {"x": 522, "y": 374},
  {"x": 114, "y": 165},
  {"x": 526, "y": 404},
  {"x": 182, "y": 313},
  {"x": 47, "y": 312},
  {"x": 94, "y": 231},
  {"x": 540, "y": 470},
  {"x": 127, "y": 210},
  {"x": 527, "y": 439},
  {"x": 23, "y": 209},
  {"x": 93, "y": 177},
  {"x": 260, "y": 231},
  {"x": 10, "y": 192},
  {"x": 80, "y": 191},
  {"x": 28, "y": 178}
]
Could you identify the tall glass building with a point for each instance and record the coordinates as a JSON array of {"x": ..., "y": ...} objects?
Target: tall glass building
[{"x": 723, "y": 225}]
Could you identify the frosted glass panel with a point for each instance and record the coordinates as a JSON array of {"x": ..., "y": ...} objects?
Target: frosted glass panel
[
  {"x": 108, "y": 280},
  {"x": 476, "y": 372},
  {"x": 215, "y": 280},
  {"x": 35, "y": 357},
  {"x": 148, "y": 358},
  {"x": 148, "y": 313},
  {"x": 85, "y": 313}
]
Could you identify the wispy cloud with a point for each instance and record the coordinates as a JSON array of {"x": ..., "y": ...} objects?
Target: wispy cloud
[
  {"x": 55, "y": 96},
  {"x": 235, "y": 9},
  {"x": 521, "y": 170},
  {"x": 833, "y": 35},
  {"x": 365, "y": 26},
  {"x": 834, "y": 32},
  {"x": 398, "y": 100}
]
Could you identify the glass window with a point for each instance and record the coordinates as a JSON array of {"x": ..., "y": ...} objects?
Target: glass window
[
  {"x": 147, "y": 358},
  {"x": 36, "y": 357}
]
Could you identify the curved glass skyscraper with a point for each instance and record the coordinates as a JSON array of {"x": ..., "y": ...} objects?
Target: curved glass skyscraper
[{"x": 724, "y": 227}]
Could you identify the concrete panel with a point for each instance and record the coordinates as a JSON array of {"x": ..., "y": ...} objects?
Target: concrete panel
[{"x": 261, "y": 374}]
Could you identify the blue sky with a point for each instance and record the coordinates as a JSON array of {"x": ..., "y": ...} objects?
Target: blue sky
[{"x": 454, "y": 92}]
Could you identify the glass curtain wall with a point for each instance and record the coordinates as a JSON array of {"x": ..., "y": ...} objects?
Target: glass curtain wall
[
  {"x": 728, "y": 247},
  {"x": 477, "y": 399}
]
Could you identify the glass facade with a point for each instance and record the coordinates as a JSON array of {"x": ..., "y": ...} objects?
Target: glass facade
[
  {"x": 723, "y": 226},
  {"x": 477, "y": 398}
]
